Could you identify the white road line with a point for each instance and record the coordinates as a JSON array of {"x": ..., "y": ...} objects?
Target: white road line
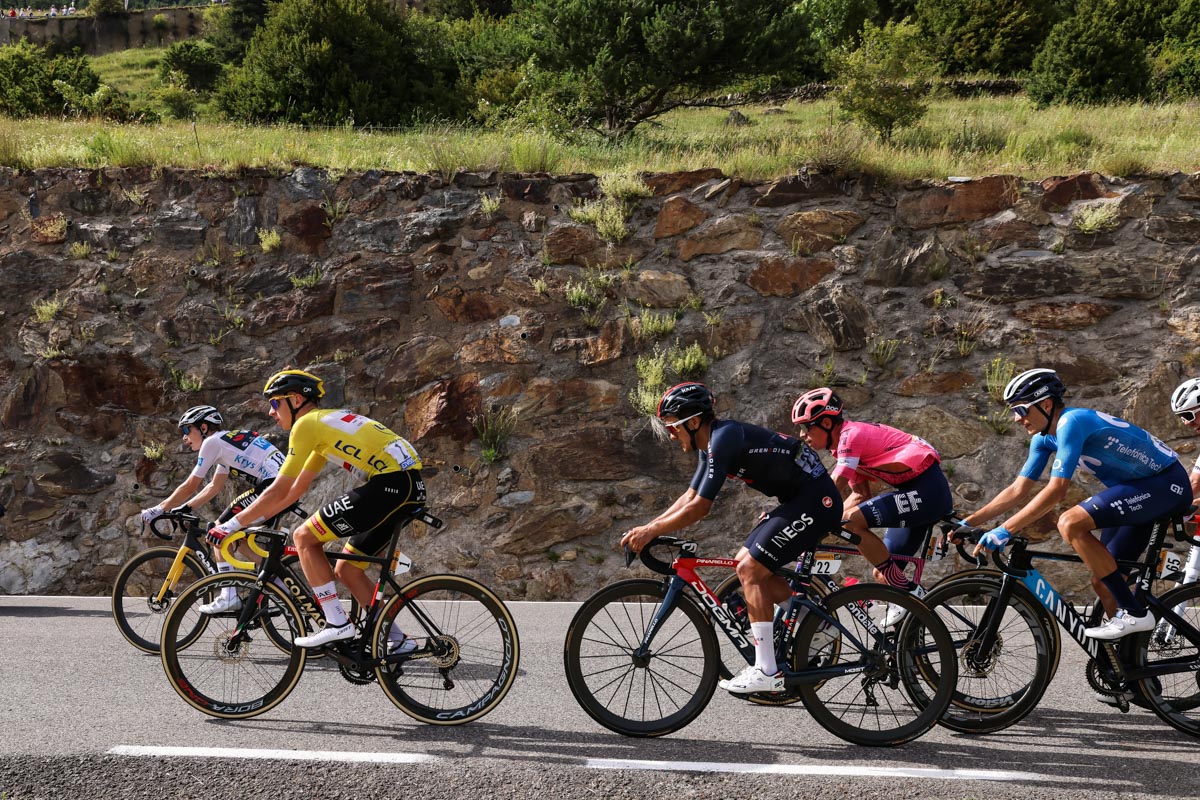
[
  {"x": 283, "y": 755},
  {"x": 819, "y": 769}
]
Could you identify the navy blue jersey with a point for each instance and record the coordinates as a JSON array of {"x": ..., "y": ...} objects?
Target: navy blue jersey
[{"x": 773, "y": 463}]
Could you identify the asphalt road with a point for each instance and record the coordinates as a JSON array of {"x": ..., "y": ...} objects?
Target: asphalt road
[{"x": 79, "y": 708}]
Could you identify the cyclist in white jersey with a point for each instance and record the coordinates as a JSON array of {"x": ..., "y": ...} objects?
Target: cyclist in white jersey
[
  {"x": 1185, "y": 404},
  {"x": 243, "y": 454}
]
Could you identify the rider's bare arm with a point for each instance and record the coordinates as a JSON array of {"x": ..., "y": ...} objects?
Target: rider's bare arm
[{"x": 1010, "y": 497}]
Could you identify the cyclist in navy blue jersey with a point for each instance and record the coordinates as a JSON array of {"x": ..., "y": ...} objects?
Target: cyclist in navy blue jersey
[
  {"x": 1143, "y": 478},
  {"x": 777, "y": 465}
]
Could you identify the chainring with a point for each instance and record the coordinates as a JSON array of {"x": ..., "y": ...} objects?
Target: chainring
[{"x": 356, "y": 675}]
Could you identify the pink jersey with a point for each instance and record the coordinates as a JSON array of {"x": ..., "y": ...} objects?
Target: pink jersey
[{"x": 867, "y": 445}]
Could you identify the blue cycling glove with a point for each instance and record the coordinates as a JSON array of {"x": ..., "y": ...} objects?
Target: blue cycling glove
[{"x": 996, "y": 538}]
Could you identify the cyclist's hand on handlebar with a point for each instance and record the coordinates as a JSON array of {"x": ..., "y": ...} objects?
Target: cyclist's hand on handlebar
[
  {"x": 151, "y": 514},
  {"x": 965, "y": 533},
  {"x": 637, "y": 538},
  {"x": 183, "y": 509},
  {"x": 217, "y": 532},
  {"x": 995, "y": 539}
]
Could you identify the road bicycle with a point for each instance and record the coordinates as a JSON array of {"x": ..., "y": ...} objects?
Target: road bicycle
[
  {"x": 1161, "y": 668},
  {"x": 148, "y": 583},
  {"x": 242, "y": 663},
  {"x": 642, "y": 658}
]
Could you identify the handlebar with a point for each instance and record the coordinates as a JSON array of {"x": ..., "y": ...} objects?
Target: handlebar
[
  {"x": 655, "y": 564},
  {"x": 250, "y": 535},
  {"x": 177, "y": 519},
  {"x": 955, "y": 533}
]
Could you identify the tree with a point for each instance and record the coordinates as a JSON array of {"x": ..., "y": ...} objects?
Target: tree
[
  {"x": 331, "y": 62},
  {"x": 465, "y": 9},
  {"x": 235, "y": 27},
  {"x": 1092, "y": 57},
  {"x": 884, "y": 82},
  {"x": 613, "y": 64},
  {"x": 835, "y": 22},
  {"x": 984, "y": 35}
]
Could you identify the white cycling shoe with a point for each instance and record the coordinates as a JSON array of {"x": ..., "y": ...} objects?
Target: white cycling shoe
[
  {"x": 896, "y": 614},
  {"x": 327, "y": 635},
  {"x": 221, "y": 605},
  {"x": 751, "y": 680},
  {"x": 1120, "y": 625}
]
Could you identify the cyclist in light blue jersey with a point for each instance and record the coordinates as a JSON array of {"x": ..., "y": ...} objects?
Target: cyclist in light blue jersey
[{"x": 1143, "y": 478}]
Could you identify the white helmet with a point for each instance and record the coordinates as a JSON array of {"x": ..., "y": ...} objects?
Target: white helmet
[
  {"x": 197, "y": 414},
  {"x": 1186, "y": 396}
]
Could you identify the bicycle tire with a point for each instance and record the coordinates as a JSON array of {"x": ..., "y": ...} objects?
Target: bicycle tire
[
  {"x": 999, "y": 688},
  {"x": 729, "y": 592},
  {"x": 599, "y": 657},
  {"x": 873, "y": 703},
  {"x": 463, "y": 667},
  {"x": 282, "y": 638},
  {"x": 138, "y": 615},
  {"x": 243, "y": 682},
  {"x": 1174, "y": 696}
]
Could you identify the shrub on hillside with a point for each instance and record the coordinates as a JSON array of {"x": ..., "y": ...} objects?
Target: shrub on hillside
[
  {"x": 191, "y": 64},
  {"x": 985, "y": 35},
  {"x": 27, "y": 79},
  {"x": 1091, "y": 58},
  {"x": 884, "y": 82},
  {"x": 492, "y": 57},
  {"x": 233, "y": 26},
  {"x": 835, "y": 22},
  {"x": 610, "y": 65},
  {"x": 1175, "y": 69},
  {"x": 331, "y": 62},
  {"x": 106, "y": 8},
  {"x": 466, "y": 9}
]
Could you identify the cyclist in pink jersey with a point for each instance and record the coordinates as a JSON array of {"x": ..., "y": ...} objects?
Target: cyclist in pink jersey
[{"x": 918, "y": 494}]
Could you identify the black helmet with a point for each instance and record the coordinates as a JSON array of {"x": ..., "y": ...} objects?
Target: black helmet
[
  {"x": 197, "y": 414},
  {"x": 685, "y": 400},
  {"x": 297, "y": 381},
  {"x": 1033, "y": 385}
]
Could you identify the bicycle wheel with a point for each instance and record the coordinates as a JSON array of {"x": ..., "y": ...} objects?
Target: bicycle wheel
[
  {"x": 228, "y": 674},
  {"x": 999, "y": 686},
  {"x": 1173, "y": 696},
  {"x": 730, "y": 595},
  {"x": 467, "y": 650},
  {"x": 873, "y": 702},
  {"x": 139, "y": 602},
  {"x": 633, "y": 693}
]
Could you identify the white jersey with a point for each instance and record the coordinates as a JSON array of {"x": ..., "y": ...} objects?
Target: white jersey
[{"x": 243, "y": 454}]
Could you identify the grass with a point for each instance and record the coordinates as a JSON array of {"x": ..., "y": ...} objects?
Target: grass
[
  {"x": 46, "y": 310},
  {"x": 1019, "y": 139},
  {"x": 494, "y": 428},
  {"x": 133, "y": 71}
]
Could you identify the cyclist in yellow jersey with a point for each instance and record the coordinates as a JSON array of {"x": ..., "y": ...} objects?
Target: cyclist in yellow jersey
[{"x": 367, "y": 513}]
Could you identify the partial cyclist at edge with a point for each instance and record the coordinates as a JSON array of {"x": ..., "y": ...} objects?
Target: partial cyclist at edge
[
  {"x": 367, "y": 514},
  {"x": 245, "y": 455},
  {"x": 919, "y": 494},
  {"x": 775, "y": 464},
  {"x": 1143, "y": 478},
  {"x": 1185, "y": 404}
]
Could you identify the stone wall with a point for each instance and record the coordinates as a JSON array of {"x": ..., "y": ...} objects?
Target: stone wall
[
  {"x": 97, "y": 36},
  {"x": 121, "y": 289}
]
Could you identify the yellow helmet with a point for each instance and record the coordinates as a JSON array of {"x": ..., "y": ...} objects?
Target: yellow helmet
[{"x": 294, "y": 380}]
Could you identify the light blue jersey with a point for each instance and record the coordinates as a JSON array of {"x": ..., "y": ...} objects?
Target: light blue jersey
[{"x": 1110, "y": 448}]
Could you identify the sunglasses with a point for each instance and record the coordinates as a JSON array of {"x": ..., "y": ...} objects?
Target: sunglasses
[
  {"x": 678, "y": 422},
  {"x": 1186, "y": 416},
  {"x": 185, "y": 429},
  {"x": 1022, "y": 410},
  {"x": 275, "y": 402}
]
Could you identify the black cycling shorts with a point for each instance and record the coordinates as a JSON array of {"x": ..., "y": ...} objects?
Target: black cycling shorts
[
  {"x": 368, "y": 514},
  {"x": 796, "y": 526}
]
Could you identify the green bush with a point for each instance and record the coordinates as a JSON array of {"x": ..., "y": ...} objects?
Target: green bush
[
  {"x": 884, "y": 82},
  {"x": 176, "y": 101},
  {"x": 27, "y": 80},
  {"x": 1091, "y": 58},
  {"x": 331, "y": 62},
  {"x": 835, "y": 22},
  {"x": 466, "y": 9},
  {"x": 104, "y": 103},
  {"x": 1175, "y": 65},
  {"x": 190, "y": 64},
  {"x": 233, "y": 27},
  {"x": 985, "y": 35},
  {"x": 107, "y": 8},
  {"x": 491, "y": 56}
]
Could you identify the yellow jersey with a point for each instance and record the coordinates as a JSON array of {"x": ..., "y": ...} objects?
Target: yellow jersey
[{"x": 354, "y": 442}]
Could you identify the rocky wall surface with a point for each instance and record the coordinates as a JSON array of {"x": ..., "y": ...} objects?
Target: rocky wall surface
[
  {"x": 96, "y": 36},
  {"x": 128, "y": 295}
]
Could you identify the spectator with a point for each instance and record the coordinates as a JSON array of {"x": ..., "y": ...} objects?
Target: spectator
[
  {"x": 53, "y": 11},
  {"x": 71, "y": 9}
]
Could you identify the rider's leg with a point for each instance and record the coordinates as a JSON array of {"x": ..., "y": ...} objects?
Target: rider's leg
[
  {"x": 762, "y": 589},
  {"x": 876, "y": 552},
  {"x": 1076, "y": 527},
  {"x": 319, "y": 574}
]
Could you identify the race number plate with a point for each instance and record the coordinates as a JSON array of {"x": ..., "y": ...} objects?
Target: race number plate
[
  {"x": 826, "y": 565},
  {"x": 1170, "y": 566}
]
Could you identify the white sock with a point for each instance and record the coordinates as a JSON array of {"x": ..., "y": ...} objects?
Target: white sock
[
  {"x": 331, "y": 606},
  {"x": 228, "y": 593},
  {"x": 764, "y": 646},
  {"x": 396, "y": 634}
]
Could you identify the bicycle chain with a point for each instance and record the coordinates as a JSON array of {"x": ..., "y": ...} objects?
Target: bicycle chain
[
  {"x": 1101, "y": 685},
  {"x": 356, "y": 676}
]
